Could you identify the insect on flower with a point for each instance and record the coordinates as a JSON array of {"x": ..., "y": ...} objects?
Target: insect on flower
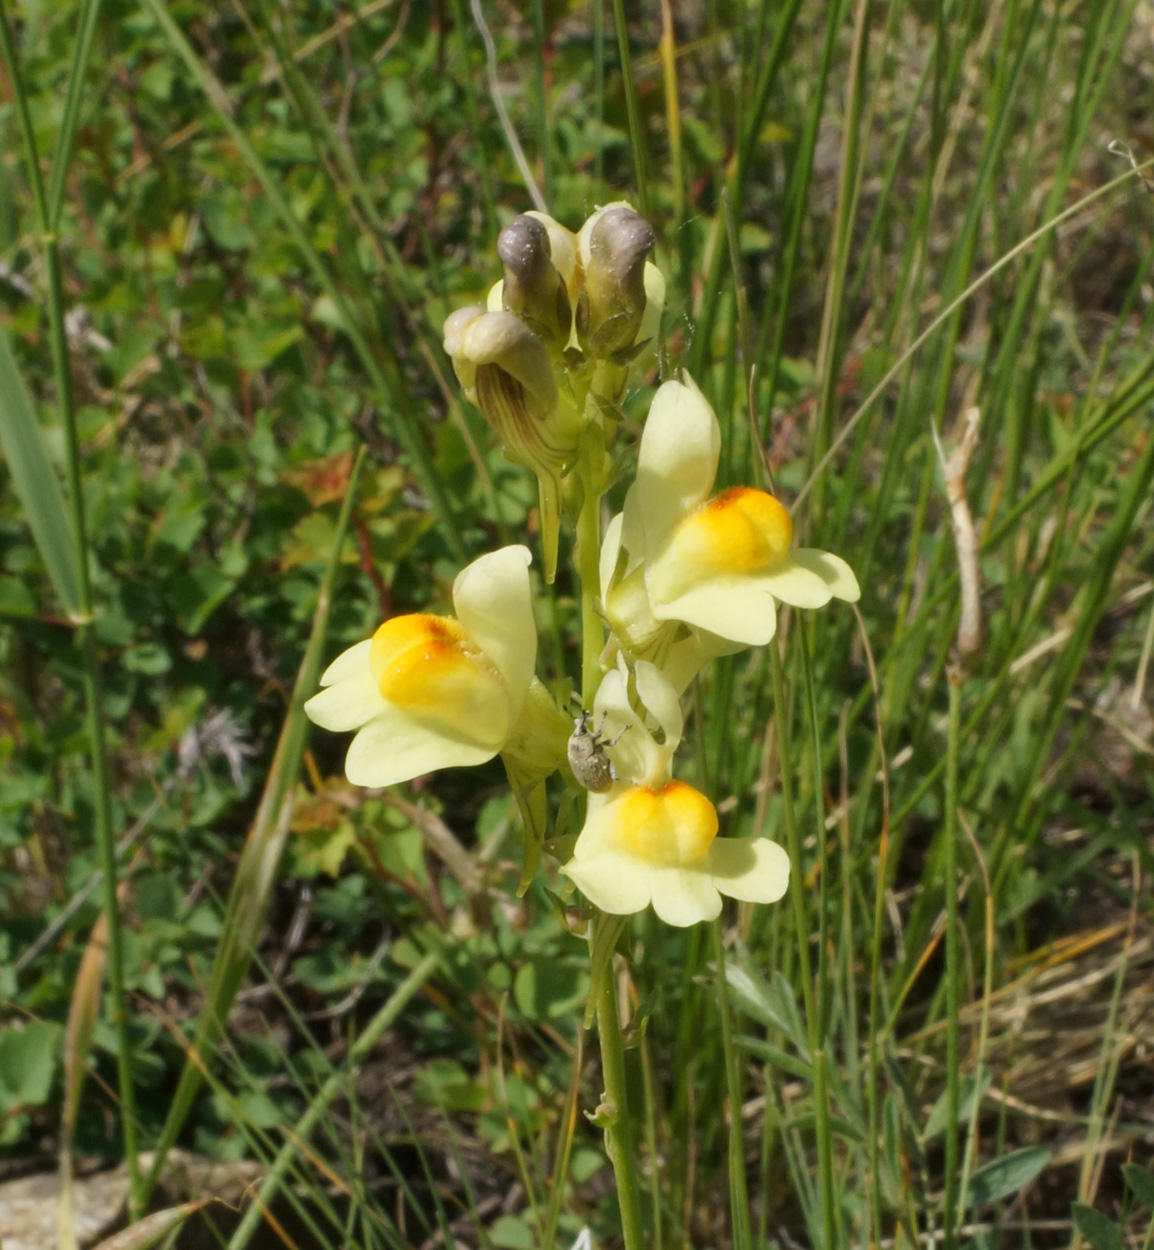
[{"x": 587, "y": 758}]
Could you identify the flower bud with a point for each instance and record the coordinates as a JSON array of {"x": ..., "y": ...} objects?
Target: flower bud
[
  {"x": 614, "y": 244},
  {"x": 454, "y": 342},
  {"x": 507, "y": 372},
  {"x": 516, "y": 390},
  {"x": 533, "y": 288}
]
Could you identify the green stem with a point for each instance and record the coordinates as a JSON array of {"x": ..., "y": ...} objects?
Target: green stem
[
  {"x": 618, "y": 1126},
  {"x": 824, "y": 1130},
  {"x": 829, "y": 1205},
  {"x": 950, "y": 872},
  {"x": 635, "y": 136},
  {"x": 86, "y": 634},
  {"x": 619, "y": 1142},
  {"x": 599, "y": 96},
  {"x": 797, "y": 893},
  {"x": 738, "y": 1189},
  {"x": 874, "y": 1025},
  {"x": 589, "y": 571}
]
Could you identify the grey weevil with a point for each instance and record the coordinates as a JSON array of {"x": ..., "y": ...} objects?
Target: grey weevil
[{"x": 587, "y": 758}]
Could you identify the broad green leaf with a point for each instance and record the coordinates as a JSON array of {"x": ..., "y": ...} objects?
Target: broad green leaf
[
  {"x": 35, "y": 482},
  {"x": 512, "y": 1233},
  {"x": 1141, "y": 1184},
  {"x": 27, "y": 1063},
  {"x": 1100, "y": 1232},
  {"x": 1005, "y": 1176},
  {"x": 548, "y": 988},
  {"x": 936, "y": 1120}
]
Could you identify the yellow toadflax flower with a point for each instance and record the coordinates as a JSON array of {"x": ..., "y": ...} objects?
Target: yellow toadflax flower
[
  {"x": 715, "y": 563},
  {"x": 651, "y": 839},
  {"x": 428, "y": 692}
]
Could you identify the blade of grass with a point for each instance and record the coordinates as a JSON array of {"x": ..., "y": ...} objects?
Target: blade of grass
[
  {"x": 739, "y": 1210},
  {"x": 35, "y": 483},
  {"x": 953, "y": 940},
  {"x": 333, "y": 1086},
  {"x": 828, "y": 363},
  {"x": 62, "y": 157},
  {"x": 941, "y": 317},
  {"x": 542, "y": 100},
  {"x": 257, "y": 869},
  {"x": 83, "y": 1012},
  {"x": 474, "y": 112},
  {"x": 502, "y": 112},
  {"x": 146, "y": 1233},
  {"x": 636, "y": 138},
  {"x": 86, "y": 632},
  {"x": 754, "y": 116},
  {"x": 798, "y": 198},
  {"x": 830, "y": 1205}
]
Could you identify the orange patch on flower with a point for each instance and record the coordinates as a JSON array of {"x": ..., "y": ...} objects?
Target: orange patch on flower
[
  {"x": 745, "y": 529},
  {"x": 673, "y": 825},
  {"x": 430, "y": 667}
]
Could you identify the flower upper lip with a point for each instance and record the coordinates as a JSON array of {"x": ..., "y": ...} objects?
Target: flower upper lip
[
  {"x": 490, "y": 650},
  {"x": 716, "y": 564}
]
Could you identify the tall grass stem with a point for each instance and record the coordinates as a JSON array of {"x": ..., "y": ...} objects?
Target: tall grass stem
[
  {"x": 334, "y": 1085},
  {"x": 944, "y": 315},
  {"x": 738, "y": 1189},
  {"x": 85, "y": 629},
  {"x": 830, "y": 1208},
  {"x": 952, "y": 943},
  {"x": 636, "y": 138}
]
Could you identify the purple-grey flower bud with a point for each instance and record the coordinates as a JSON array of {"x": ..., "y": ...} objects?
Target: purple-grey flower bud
[
  {"x": 613, "y": 303},
  {"x": 533, "y": 289}
]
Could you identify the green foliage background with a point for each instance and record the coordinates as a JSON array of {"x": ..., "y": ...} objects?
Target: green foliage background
[{"x": 268, "y": 212}]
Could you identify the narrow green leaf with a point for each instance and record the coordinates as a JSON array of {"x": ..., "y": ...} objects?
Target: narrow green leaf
[
  {"x": 1007, "y": 1175},
  {"x": 770, "y": 1004},
  {"x": 775, "y": 1055},
  {"x": 1140, "y": 1183},
  {"x": 62, "y": 158},
  {"x": 1100, "y": 1232},
  {"x": 34, "y": 480}
]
